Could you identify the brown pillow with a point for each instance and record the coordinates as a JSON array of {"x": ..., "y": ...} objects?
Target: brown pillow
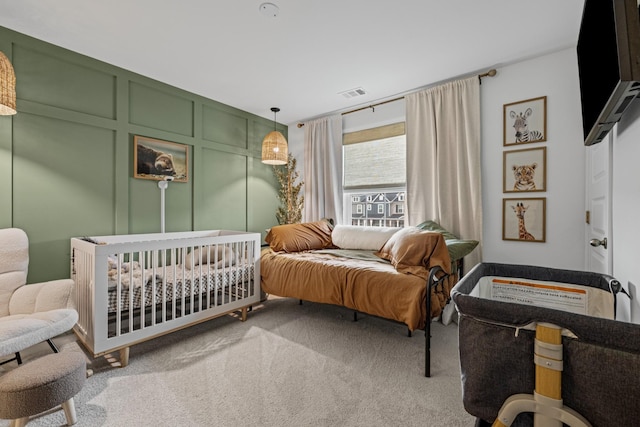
[
  {"x": 300, "y": 237},
  {"x": 415, "y": 251}
]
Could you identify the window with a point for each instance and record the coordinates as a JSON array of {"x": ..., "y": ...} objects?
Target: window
[
  {"x": 374, "y": 169},
  {"x": 375, "y": 164}
]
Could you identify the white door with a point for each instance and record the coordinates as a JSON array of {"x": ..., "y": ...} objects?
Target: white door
[{"x": 598, "y": 216}]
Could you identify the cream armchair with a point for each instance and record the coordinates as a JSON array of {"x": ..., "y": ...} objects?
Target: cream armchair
[{"x": 29, "y": 314}]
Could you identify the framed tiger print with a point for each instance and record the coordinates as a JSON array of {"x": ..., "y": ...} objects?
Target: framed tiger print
[
  {"x": 524, "y": 219},
  {"x": 525, "y": 170},
  {"x": 525, "y": 121}
]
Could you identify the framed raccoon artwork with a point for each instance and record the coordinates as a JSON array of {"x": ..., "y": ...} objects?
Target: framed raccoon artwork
[
  {"x": 156, "y": 159},
  {"x": 525, "y": 170},
  {"x": 525, "y": 121}
]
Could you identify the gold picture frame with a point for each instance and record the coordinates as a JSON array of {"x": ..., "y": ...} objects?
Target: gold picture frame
[
  {"x": 156, "y": 159},
  {"x": 524, "y": 170},
  {"x": 524, "y": 219},
  {"x": 525, "y": 122}
]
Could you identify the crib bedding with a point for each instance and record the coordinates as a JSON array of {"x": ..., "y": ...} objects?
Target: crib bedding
[
  {"x": 174, "y": 281},
  {"x": 356, "y": 279}
]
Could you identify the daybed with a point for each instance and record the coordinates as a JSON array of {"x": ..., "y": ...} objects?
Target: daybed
[
  {"x": 131, "y": 288},
  {"x": 380, "y": 271}
]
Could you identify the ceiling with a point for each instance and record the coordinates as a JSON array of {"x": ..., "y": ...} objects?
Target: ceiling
[{"x": 303, "y": 58}]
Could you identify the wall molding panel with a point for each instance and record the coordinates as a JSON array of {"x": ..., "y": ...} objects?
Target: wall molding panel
[{"x": 66, "y": 158}]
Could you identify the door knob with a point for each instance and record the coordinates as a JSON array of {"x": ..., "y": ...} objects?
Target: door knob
[{"x": 596, "y": 242}]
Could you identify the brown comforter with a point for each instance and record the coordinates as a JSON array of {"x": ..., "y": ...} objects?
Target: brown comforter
[{"x": 354, "y": 279}]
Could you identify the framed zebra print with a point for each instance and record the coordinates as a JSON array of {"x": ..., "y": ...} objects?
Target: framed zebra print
[
  {"x": 525, "y": 170},
  {"x": 525, "y": 121}
]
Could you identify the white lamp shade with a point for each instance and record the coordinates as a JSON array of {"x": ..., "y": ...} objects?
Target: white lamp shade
[{"x": 274, "y": 149}]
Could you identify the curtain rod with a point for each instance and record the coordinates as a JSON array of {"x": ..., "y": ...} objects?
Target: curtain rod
[{"x": 490, "y": 73}]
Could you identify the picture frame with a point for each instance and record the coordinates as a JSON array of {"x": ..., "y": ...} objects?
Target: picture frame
[
  {"x": 524, "y": 219},
  {"x": 156, "y": 159},
  {"x": 525, "y": 170},
  {"x": 525, "y": 121}
]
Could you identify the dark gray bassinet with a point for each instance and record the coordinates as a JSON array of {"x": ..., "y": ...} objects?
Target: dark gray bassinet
[{"x": 600, "y": 376}]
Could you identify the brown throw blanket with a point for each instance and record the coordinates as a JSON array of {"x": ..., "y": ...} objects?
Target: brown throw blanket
[{"x": 366, "y": 285}]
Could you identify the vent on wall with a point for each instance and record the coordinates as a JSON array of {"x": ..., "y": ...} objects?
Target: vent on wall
[{"x": 352, "y": 93}]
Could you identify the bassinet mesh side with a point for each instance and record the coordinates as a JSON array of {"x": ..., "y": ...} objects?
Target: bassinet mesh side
[{"x": 496, "y": 356}]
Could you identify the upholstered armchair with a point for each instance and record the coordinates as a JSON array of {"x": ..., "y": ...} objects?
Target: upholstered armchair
[{"x": 33, "y": 313}]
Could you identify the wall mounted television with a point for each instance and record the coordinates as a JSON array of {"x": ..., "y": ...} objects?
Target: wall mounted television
[{"x": 608, "y": 62}]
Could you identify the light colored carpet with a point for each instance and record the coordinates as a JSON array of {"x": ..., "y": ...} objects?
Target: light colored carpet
[{"x": 287, "y": 365}]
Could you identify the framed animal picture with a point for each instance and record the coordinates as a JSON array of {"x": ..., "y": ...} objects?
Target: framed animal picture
[
  {"x": 156, "y": 159},
  {"x": 525, "y": 170},
  {"x": 525, "y": 121},
  {"x": 524, "y": 219}
]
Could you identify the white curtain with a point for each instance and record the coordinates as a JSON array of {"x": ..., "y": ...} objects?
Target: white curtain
[
  {"x": 323, "y": 169},
  {"x": 443, "y": 160}
]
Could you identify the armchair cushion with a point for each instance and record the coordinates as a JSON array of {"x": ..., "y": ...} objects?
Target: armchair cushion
[
  {"x": 39, "y": 297},
  {"x": 24, "y": 330},
  {"x": 9, "y": 282},
  {"x": 14, "y": 262},
  {"x": 29, "y": 314}
]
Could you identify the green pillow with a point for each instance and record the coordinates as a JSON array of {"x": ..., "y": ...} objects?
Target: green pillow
[
  {"x": 434, "y": 226},
  {"x": 459, "y": 248}
]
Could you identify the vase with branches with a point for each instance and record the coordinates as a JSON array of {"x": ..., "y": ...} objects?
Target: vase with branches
[{"x": 291, "y": 201}]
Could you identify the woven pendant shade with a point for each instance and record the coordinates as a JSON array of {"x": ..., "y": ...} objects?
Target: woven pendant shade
[
  {"x": 274, "y": 149},
  {"x": 274, "y": 146},
  {"x": 7, "y": 87}
]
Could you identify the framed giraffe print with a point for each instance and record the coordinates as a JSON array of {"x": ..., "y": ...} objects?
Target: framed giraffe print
[
  {"x": 525, "y": 121},
  {"x": 525, "y": 170},
  {"x": 524, "y": 219}
]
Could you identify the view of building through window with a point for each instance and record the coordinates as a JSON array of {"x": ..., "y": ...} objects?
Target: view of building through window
[
  {"x": 374, "y": 176},
  {"x": 379, "y": 209}
]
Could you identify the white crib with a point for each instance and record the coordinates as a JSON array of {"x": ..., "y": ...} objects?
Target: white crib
[{"x": 132, "y": 288}]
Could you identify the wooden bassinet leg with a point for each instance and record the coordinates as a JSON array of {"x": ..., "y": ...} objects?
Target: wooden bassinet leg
[{"x": 548, "y": 360}]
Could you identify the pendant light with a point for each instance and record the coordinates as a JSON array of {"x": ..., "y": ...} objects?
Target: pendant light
[
  {"x": 274, "y": 145},
  {"x": 7, "y": 87}
]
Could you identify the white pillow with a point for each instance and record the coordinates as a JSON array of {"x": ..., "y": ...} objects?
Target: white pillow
[
  {"x": 365, "y": 238},
  {"x": 216, "y": 255}
]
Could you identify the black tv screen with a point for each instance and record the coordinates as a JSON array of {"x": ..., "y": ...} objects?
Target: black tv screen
[{"x": 608, "y": 40}]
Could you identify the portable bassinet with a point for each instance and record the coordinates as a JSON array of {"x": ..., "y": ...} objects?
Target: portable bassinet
[{"x": 599, "y": 357}]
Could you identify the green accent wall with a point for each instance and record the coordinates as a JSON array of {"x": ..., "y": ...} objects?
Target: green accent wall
[{"x": 66, "y": 158}]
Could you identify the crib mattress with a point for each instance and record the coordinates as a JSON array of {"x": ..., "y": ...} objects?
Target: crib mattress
[{"x": 174, "y": 283}]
